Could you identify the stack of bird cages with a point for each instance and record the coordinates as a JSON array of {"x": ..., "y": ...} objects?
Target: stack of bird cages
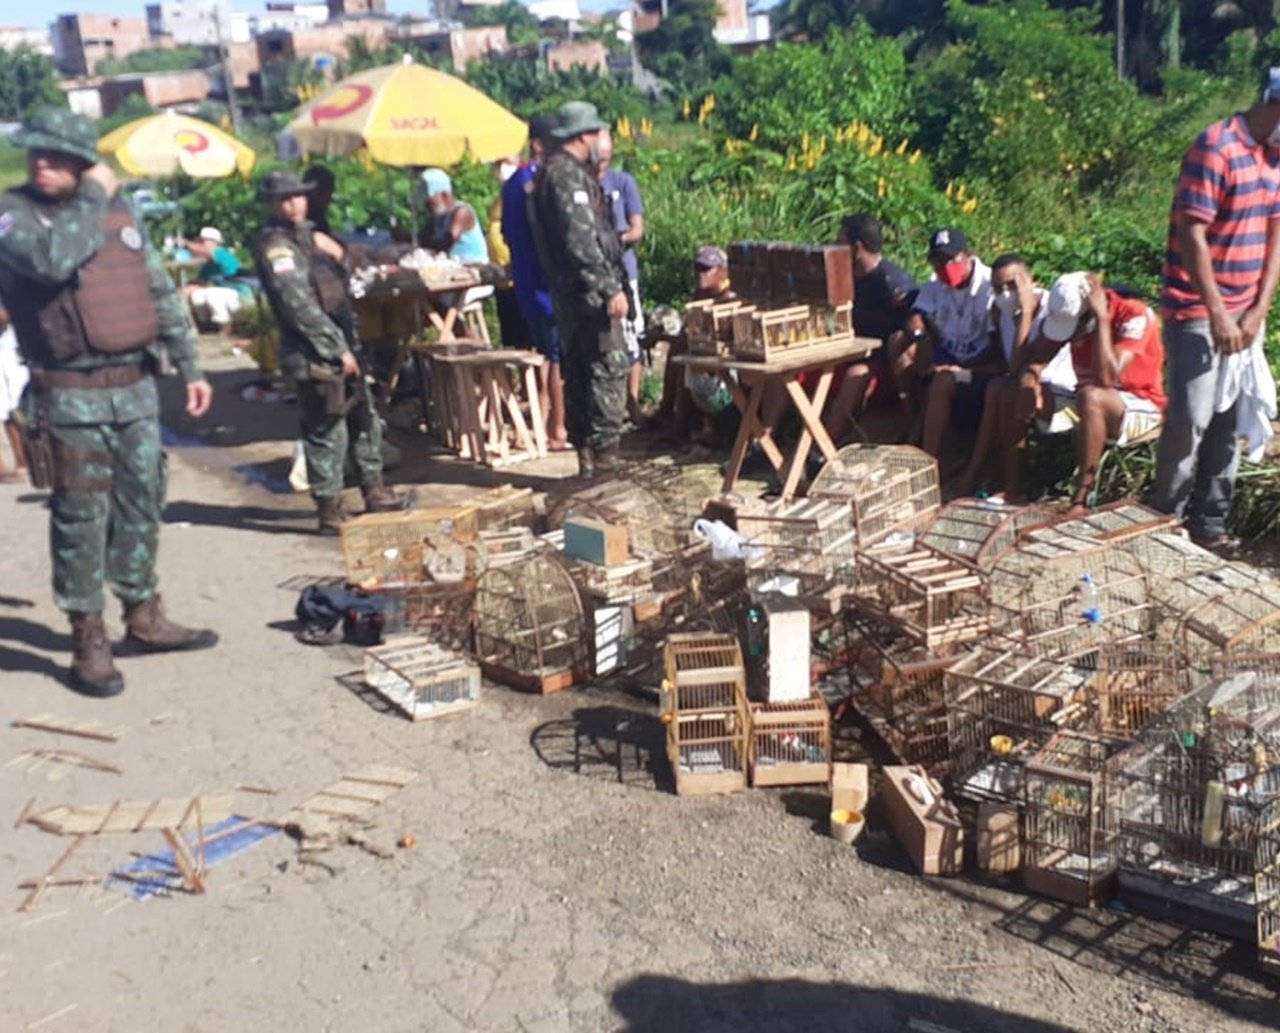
[
  {"x": 622, "y": 585},
  {"x": 395, "y": 547},
  {"x": 763, "y": 335},
  {"x": 708, "y": 327},
  {"x": 1070, "y": 822},
  {"x": 654, "y": 526},
  {"x": 892, "y": 488},
  {"x": 504, "y": 507},
  {"x": 1001, "y": 707},
  {"x": 979, "y": 532},
  {"x": 499, "y": 548},
  {"x": 790, "y": 743},
  {"x": 531, "y": 631},
  {"x": 937, "y": 600},
  {"x": 1266, "y": 887},
  {"x": 420, "y": 678},
  {"x": 811, "y": 539},
  {"x": 1246, "y": 621},
  {"x": 1114, "y": 523},
  {"x": 1136, "y": 680},
  {"x": 897, "y": 686},
  {"x": 1197, "y": 782},
  {"x": 1062, "y": 597},
  {"x": 704, "y": 706}
]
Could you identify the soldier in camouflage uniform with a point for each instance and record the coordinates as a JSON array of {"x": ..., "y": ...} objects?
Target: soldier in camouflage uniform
[
  {"x": 305, "y": 279},
  {"x": 582, "y": 256},
  {"x": 95, "y": 312}
]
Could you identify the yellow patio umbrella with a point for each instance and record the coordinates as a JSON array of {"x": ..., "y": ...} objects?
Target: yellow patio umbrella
[
  {"x": 160, "y": 145},
  {"x": 407, "y": 114}
]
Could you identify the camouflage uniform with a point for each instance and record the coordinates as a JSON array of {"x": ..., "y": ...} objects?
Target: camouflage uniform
[
  {"x": 582, "y": 256},
  {"x": 109, "y": 467},
  {"x": 307, "y": 293}
]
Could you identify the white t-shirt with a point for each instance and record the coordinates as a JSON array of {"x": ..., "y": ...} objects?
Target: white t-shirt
[
  {"x": 962, "y": 315},
  {"x": 1058, "y": 374}
]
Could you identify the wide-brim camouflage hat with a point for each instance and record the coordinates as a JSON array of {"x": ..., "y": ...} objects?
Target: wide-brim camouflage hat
[
  {"x": 283, "y": 183},
  {"x": 59, "y": 130},
  {"x": 575, "y": 118}
]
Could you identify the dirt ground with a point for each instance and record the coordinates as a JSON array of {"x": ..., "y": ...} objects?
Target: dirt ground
[{"x": 556, "y": 884}]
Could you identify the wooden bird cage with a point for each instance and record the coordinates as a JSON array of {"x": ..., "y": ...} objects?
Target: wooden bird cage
[
  {"x": 1170, "y": 557},
  {"x": 704, "y": 706},
  {"x": 979, "y": 532},
  {"x": 897, "y": 686},
  {"x": 1039, "y": 599},
  {"x": 1070, "y": 822},
  {"x": 810, "y": 539},
  {"x": 1136, "y": 680},
  {"x": 762, "y": 335},
  {"x": 1001, "y": 707},
  {"x": 531, "y": 631},
  {"x": 708, "y": 327},
  {"x": 503, "y": 508},
  {"x": 1113, "y": 523},
  {"x": 890, "y": 487},
  {"x": 437, "y": 611},
  {"x": 657, "y": 522},
  {"x": 1196, "y": 783},
  {"x": 1246, "y": 620},
  {"x": 384, "y": 547},
  {"x": 1266, "y": 887},
  {"x": 421, "y": 679},
  {"x": 791, "y": 743},
  {"x": 937, "y": 600}
]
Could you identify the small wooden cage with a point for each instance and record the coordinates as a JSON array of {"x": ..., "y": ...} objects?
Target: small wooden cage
[
  {"x": 937, "y": 600},
  {"x": 1070, "y": 826},
  {"x": 708, "y": 327},
  {"x": 1245, "y": 620},
  {"x": 979, "y": 532},
  {"x": 382, "y": 547},
  {"x": 657, "y": 523},
  {"x": 704, "y": 706},
  {"x": 420, "y": 678},
  {"x": 441, "y": 612},
  {"x": 1266, "y": 887},
  {"x": 1114, "y": 523},
  {"x": 790, "y": 743},
  {"x": 531, "y": 631},
  {"x": 762, "y": 335},
  {"x": 1001, "y": 707},
  {"x": 811, "y": 539},
  {"x": 891, "y": 488},
  {"x": 1136, "y": 680}
]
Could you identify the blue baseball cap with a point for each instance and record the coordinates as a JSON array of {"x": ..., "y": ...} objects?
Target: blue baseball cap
[{"x": 436, "y": 181}]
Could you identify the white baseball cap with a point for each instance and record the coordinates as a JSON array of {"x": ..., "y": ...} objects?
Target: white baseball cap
[
  {"x": 211, "y": 234},
  {"x": 1065, "y": 306}
]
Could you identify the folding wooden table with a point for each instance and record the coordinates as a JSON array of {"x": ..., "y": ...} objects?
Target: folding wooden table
[{"x": 747, "y": 383}]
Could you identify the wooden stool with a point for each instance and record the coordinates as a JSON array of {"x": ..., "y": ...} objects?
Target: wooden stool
[{"x": 483, "y": 403}]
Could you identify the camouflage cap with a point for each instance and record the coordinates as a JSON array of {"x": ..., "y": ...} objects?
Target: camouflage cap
[
  {"x": 283, "y": 183},
  {"x": 575, "y": 118},
  {"x": 51, "y": 128}
]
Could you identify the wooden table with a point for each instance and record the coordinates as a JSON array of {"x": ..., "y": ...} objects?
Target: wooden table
[{"x": 747, "y": 383}]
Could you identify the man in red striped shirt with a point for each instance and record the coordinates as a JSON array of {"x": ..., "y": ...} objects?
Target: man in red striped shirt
[{"x": 1220, "y": 271}]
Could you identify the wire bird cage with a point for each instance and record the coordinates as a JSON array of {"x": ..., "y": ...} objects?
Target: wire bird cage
[
  {"x": 1197, "y": 781},
  {"x": 1041, "y": 599},
  {"x": 890, "y": 487},
  {"x": 656, "y": 519},
  {"x": 1136, "y": 680},
  {"x": 1114, "y": 523},
  {"x": 1266, "y": 887},
  {"x": 441, "y": 612},
  {"x": 1246, "y": 620},
  {"x": 531, "y": 631},
  {"x": 1001, "y": 707},
  {"x": 897, "y": 686},
  {"x": 504, "y": 508},
  {"x": 1070, "y": 821},
  {"x": 979, "y": 532},
  {"x": 704, "y": 706},
  {"x": 937, "y": 600},
  {"x": 378, "y": 548},
  {"x": 810, "y": 539},
  {"x": 790, "y": 743},
  {"x": 421, "y": 679}
]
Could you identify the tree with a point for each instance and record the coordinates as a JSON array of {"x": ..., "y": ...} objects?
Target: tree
[
  {"x": 683, "y": 48},
  {"x": 27, "y": 79},
  {"x": 522, "y": 26},
  {"x": 154, "y": 59}
]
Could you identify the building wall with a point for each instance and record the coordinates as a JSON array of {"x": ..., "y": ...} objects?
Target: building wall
[
  {"x": 190, "y": 23},
  {"x": 12, "y": 37},
  {"x": 589, "y": 54},
  {"x": 339, "y": 8},
  {"x": 324, "y": 40},
  {"x": 80, "y": 41}
]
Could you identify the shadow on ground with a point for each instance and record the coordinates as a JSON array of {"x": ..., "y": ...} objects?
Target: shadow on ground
[{"x": 607, "y": 742}]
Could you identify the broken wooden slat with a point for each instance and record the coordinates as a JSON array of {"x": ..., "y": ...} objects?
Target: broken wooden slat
[
  {"x": 60, "y": 726},
  {"x": 354, "y": 794},
  {"x": 132, "y": 816}
]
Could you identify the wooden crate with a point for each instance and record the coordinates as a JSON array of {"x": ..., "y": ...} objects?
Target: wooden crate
[
  {"x": 421, "y": 679},
  {"x": 704, "y": 706},
  {"x": 892, "y": 488},
  {"x": 937, "y": 600},
  {"x": 750, "y": 269},
  {"x": 760, "y": 335},
  {"x": 820, "y": 275},
  {"x": 790, "y": 743},
  {"x": 708, "y": 327},
  {"x": 380, "y": 547}
]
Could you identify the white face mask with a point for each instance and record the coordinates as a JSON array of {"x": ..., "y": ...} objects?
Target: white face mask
[
  {"x": 506, "y": 170},
  {"x": 1006, "y": 301}
]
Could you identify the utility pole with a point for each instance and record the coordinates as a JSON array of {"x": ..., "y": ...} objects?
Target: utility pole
[
  {"x": 228, "y": 80},
  {"x": 1120, "y": 39}
]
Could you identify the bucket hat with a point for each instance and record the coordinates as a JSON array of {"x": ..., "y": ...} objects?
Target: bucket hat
[
  {"x": 283, "y": 183},
  {"x": 51, "y": 128},
  {"x": 575, "y": 118}
]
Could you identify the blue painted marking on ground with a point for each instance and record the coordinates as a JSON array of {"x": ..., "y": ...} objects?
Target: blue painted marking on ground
[{"x": 156, "y": 875}]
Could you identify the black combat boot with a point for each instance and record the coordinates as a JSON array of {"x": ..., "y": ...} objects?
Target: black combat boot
[
  {"x": 586, "y": 463},
  {"x": 332, "y": 515},
  {"x": 92, "y": 671},
  {"x": 608, "y": 461},
  {"x": 148, "y": 630},
  {"x": 378, "y": 498}
]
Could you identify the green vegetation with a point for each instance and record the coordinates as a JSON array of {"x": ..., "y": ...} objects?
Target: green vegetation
[
  {"x": 27, "y": 79},
  {"x": 154, "y": 59}
]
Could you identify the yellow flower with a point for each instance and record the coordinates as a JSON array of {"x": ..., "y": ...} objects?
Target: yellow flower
[
  {"x": 971, "y": 204},
  {"x": 950, "y": 190},
  {"x": 685, "y": 108},
  {"x": 902, "y": 147},
  {"x": 791, "y": 162},
  {"x": 882, "y": 187},
  {"x": 875, "y": 146},
  {"x": 915, "y": 157},
  {"x": 755, "y": 132},
  {"x": 655, "y": 168},
  {"x": 804, "y": 142}
]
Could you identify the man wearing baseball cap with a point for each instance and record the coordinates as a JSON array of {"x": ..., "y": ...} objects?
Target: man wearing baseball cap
[{"x": 95, "y": 312}]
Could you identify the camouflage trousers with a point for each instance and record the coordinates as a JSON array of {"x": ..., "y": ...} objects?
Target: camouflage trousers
[
  {"x": 110, "y": 480},
  {"x": 328, "y": 440},
  {"x": 595, "y": 384}
]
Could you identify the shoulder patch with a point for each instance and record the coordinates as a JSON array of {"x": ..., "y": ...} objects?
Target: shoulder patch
[
  {"x": 581, "y": 197},
  {"x": 283, "y": 264},
  {"x": 279, "y": 251},
  {"x": 6, "y": 224}
]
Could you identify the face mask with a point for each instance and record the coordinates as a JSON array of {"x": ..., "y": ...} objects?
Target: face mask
[
  {"x": 1006, "y": 302},
  {"x": 593, "y": 154},
  {"x": 953, "y": 274},
  {"x": 506, "y": 170}
]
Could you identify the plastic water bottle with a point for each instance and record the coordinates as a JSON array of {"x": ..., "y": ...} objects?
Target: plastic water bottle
[
  {"x": 1090, "y": 602},
  {"x": 756, "y": 630}
]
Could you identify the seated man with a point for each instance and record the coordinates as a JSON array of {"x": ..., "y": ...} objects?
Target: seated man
[
  {"x": 452, "y": 225},
  {"x": 948, "y": 353},
  {"x": 214, "y": 298},
  {"x": 1119, "y": 364},
  {"x": 882, "y": 298}
]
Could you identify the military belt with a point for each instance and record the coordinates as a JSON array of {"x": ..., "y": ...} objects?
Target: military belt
[{"x": 97, "y": 378}]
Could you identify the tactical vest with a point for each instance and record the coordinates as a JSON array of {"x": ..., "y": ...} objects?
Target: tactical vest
[
  {"x": 548, "y": 226},
  {"x": 328, "y": 278},
  {"x": 106, "y": 308}
]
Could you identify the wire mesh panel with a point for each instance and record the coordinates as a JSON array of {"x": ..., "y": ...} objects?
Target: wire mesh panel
[
  {"x": 1114, "y": 523},
  {"x": 936, "y": 600},
  {"x": 1136, "y": 680},
  {"x": 420, "y": 678},
  {"x": 1266, "y": 887},
  {"x": 1001, "y": 707},
  {"x": 530, "y": 628},
  {"x": 979, "y": 531},
  {"x": 440, "y": 612},
  {"x": 503, "y": 508},
  {"x": 790, "y": 743},
  {"x": 1196, "y": 781},
  {"x": 1070, "y": 825},
  {"x": 381, "y": 547},
  {"x": 810, "y": 539},
  {"x": 704, "y": 706},
  {"x": 656, "y": 521},
  {"x": 891, "y": 488},
  {"x": 1245, "y": 620}
]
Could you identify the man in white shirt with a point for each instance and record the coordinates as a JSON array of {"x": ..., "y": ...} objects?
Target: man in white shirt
[{"x": 950, "y": 352}]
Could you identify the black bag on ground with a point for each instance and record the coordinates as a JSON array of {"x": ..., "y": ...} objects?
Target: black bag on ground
[{"x": 321, "y": 608}]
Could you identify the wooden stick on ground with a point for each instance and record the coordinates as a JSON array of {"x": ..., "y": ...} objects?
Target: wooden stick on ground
[
  {"x": 61, "y": 729},
  {"x": 44, "y": 881}
]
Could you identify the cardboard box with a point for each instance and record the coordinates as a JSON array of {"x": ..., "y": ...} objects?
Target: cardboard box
[
  {"x": 999, "y": 839},
  {"x": 849, "y": 787},
  {"x": 925, "y": 822},
  {"x": 596, "y": 542},
  {"x": 788, "y": 633}
]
